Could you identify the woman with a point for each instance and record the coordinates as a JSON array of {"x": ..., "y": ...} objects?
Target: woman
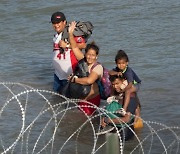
[{"x": 95, "y": 71}]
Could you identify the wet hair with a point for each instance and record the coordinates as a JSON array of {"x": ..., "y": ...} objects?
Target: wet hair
[
  {"x": 92, "y": 46},
  {"x": 112, "y": 78},
  {"x": 121, "y": 55}
]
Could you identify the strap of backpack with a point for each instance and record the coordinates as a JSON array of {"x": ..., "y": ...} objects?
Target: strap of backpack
[{"x": 95, "y": 64}]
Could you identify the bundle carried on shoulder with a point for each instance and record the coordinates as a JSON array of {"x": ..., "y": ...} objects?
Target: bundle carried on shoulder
[
  {"x": 76, "y": 90},
  {"x": 83, "y": 28}
]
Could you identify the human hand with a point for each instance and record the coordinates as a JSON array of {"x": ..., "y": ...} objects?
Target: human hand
[
  {"x": 72, "y": 26},
  {"x": 103, "y": 124},
  {"x": 70, "y": 77},
  {"x": 110, "y": 99},
  {"x": 63, "y": 44},
  {"x": 121, "y": 111},
  {"x": 119, "y": 73},
  {"x": 124, "y": 84}
]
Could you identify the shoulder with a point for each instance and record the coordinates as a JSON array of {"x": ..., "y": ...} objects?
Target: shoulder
[
  {"x": 128, "y": 70},
  {"x": 98, "y": 68}
]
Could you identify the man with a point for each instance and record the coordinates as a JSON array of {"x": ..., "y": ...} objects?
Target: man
[
  {"x": 116, "y": 115},
  {"x": 64, "y": 60}
]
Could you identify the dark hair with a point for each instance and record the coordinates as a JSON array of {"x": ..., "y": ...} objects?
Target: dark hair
[
  {"x": 112, "y": 78},
  {"x": 93, "y": 46},
  {"x": 121, "y": 55}
]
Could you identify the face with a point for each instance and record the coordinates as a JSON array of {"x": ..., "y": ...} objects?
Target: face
[
  {"x": 116, "y": 84},
  {"x": 121, "y": 64},
  {"x": 59, "y": 27},
  {"x": 91, "y": 56}
]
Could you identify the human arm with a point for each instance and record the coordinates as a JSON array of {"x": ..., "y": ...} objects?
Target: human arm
[
  {"x": 103, "y": 124},
  {"x": 112, "y": 72},
  {"x": 129, "y": 75},
  {"x": 127, "y": 87},
  {"x": 95, "y": 73},
  {"x": 93, "y": 76},
  {"x": 76, "y": 49},
  {"x": 119, "y": 120}
]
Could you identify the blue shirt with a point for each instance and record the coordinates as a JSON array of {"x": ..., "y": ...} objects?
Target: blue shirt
[{"x": 129, "y": 75}]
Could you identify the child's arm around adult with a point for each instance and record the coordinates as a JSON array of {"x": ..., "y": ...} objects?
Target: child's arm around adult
[
  {"x": 112, "y": 72},
  {"x": 127, "y": 87}
]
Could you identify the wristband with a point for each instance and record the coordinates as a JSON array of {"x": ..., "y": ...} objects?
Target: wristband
[{"x": 75, "y": 77}]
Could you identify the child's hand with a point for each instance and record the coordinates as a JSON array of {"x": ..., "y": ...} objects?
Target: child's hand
[
  {"x": 124, "y": 84},
  {"x": 119, "y": 73}
]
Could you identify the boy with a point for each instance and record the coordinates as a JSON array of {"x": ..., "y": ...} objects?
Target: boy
[
  {"x": 119, "y": 116},
  {"x": 114, "y": 113}
]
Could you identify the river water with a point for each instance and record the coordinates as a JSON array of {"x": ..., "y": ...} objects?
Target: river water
[{"x": 147, "y": 30}]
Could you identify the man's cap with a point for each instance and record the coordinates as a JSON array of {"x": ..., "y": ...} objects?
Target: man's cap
[{"x": 57, "y": 17}]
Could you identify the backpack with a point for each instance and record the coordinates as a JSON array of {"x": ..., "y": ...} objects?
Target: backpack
[
  {"x": 83, "y": 28},
  {"x": 104, "y": 83}
]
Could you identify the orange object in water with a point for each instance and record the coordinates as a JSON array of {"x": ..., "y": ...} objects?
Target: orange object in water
[{"x": 138, "y": 123}]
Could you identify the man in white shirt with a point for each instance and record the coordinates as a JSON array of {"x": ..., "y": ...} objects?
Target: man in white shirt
[{"x": 63, "y": 60}]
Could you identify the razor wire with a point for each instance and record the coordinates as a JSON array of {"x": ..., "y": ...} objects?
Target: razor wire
[{"x": 41, "y": 126}]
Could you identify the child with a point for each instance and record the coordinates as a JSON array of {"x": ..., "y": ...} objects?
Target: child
[
  {"x": 115, "y": 105},
  {"x": 115, "y": 115},
  {"x": 117, "y": 83},
  {"x": 122, "y": 69}
]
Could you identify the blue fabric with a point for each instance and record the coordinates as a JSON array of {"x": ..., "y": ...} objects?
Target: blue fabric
[
  {"x": 129, "y": 74},
  {"x": 132, "y": 105},
  {"x": 58, "y": 84}
]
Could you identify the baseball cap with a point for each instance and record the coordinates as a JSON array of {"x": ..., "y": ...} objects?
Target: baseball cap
[{"x": 57, "y": 17}]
